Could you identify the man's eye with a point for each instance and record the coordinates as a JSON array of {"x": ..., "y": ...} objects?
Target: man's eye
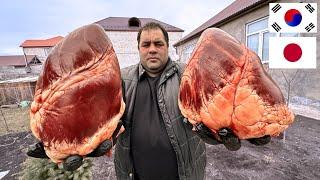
[{"x": 159, "y": 44}]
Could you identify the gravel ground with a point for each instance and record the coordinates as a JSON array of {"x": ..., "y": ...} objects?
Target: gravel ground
[
  {"x": 296, "y": 157},
  {"x": 12, "y": 152}
]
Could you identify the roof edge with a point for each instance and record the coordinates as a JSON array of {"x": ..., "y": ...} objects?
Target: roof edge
[
  {"x": 175, "y": 29},
  {"x": 226, "y": 20},
  {"x": 55, "y": 38},
  {"x": 138, "y": 30}
]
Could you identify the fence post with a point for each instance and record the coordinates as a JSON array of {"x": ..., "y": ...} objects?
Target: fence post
[{"x": 5, "y": 121}]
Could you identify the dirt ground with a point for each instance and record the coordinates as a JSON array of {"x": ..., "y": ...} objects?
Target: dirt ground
[
  {"x": 14, "y": 120},
  {"x": 298, "y": 157},
  {"x": 12, "y": 152}
]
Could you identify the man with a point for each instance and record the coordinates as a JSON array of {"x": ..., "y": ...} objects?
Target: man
[{"x": 156, "y": 144}]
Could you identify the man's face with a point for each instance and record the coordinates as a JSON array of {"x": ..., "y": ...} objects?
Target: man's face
[{"x": 153, "y": 51}]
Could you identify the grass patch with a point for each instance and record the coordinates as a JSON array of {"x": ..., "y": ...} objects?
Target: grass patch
[{"x": 17, "y": 120}]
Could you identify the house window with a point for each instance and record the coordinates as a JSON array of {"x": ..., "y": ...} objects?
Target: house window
[
  {"x": 257, "y": 37},
  {"x": 265, "y": 46},
  {"x": 134, "y": 22},
  {"x": 187, "y": 52}
]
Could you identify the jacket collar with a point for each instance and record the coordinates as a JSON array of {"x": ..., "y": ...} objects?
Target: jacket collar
[{"x": 168, "y": 70}]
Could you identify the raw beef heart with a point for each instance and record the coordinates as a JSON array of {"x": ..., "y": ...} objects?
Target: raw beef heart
[
  {"x": 225, "y": 86},
  {"x": 78, "y": 99}
]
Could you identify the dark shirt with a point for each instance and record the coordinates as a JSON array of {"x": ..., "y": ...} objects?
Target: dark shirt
[{"x": 152, "y": 152}]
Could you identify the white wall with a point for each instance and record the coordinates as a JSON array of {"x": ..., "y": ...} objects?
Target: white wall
[
  {"x": 185, "y": 50},
  {"x": 40, "y": 52}
]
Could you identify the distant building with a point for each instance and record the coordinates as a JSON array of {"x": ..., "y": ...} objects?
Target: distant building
[
  {"x": 123, "y": 31},
  {"x": 40, "y": 48},
  {"x": 12, "y": 67},
  {"x": 30, "y": 64}
]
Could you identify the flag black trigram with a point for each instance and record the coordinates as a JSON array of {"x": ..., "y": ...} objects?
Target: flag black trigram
[
  {"x": 310, "y": 8},
  {"x": 276, "y": 27},
  {"x": 309, "y": 27},
  {"x": 276, "y": 8}
]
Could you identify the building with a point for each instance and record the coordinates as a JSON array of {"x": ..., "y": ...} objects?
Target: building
[
  {"x": 123, "y": 31},
  {"x": 17, "y": 66},
  {"x": 247, "y": 20},
  {"x": 41, "y": 47},
  {"x": 18, "y": 76}
]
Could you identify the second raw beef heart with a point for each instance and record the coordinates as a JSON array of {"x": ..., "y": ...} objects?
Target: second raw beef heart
[{"x": 225, "y": 86}]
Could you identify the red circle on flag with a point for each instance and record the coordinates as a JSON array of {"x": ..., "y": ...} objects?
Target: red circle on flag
[{"x": 292, "y": 52}]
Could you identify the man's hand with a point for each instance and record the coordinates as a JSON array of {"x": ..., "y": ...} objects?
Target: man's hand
[
  {"x": 106, "y": 145},
  {"x": 37, "y": 151},
  {"x": 205, "y": 134},
  {"x": 73, "y": 162},
  {"x": 260, "y": 141},
  {"x": 227, "y": 137}
]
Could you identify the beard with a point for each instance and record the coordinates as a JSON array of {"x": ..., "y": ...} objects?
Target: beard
[{"x": 154, "y": 67}]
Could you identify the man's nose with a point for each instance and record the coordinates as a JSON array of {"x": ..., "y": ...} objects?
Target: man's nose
[{"x": 152, "y": 49}]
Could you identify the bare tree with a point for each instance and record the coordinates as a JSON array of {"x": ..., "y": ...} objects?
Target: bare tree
[{"x": 289, "y": 84}]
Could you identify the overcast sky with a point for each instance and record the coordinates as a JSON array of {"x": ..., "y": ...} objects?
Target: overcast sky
[{"x": 40, "y": 19}]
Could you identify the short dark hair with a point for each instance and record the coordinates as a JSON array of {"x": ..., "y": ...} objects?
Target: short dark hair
[{"x": 153, "y": 26}]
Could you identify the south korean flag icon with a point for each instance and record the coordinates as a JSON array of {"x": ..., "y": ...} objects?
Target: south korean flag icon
[{"x": 293, "y": 17}]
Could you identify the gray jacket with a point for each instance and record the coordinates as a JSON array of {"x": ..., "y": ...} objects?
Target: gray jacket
[{"x": 189, "y": 148}]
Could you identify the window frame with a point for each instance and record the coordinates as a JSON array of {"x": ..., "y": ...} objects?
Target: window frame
[{"x": 260, "y": 33}]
